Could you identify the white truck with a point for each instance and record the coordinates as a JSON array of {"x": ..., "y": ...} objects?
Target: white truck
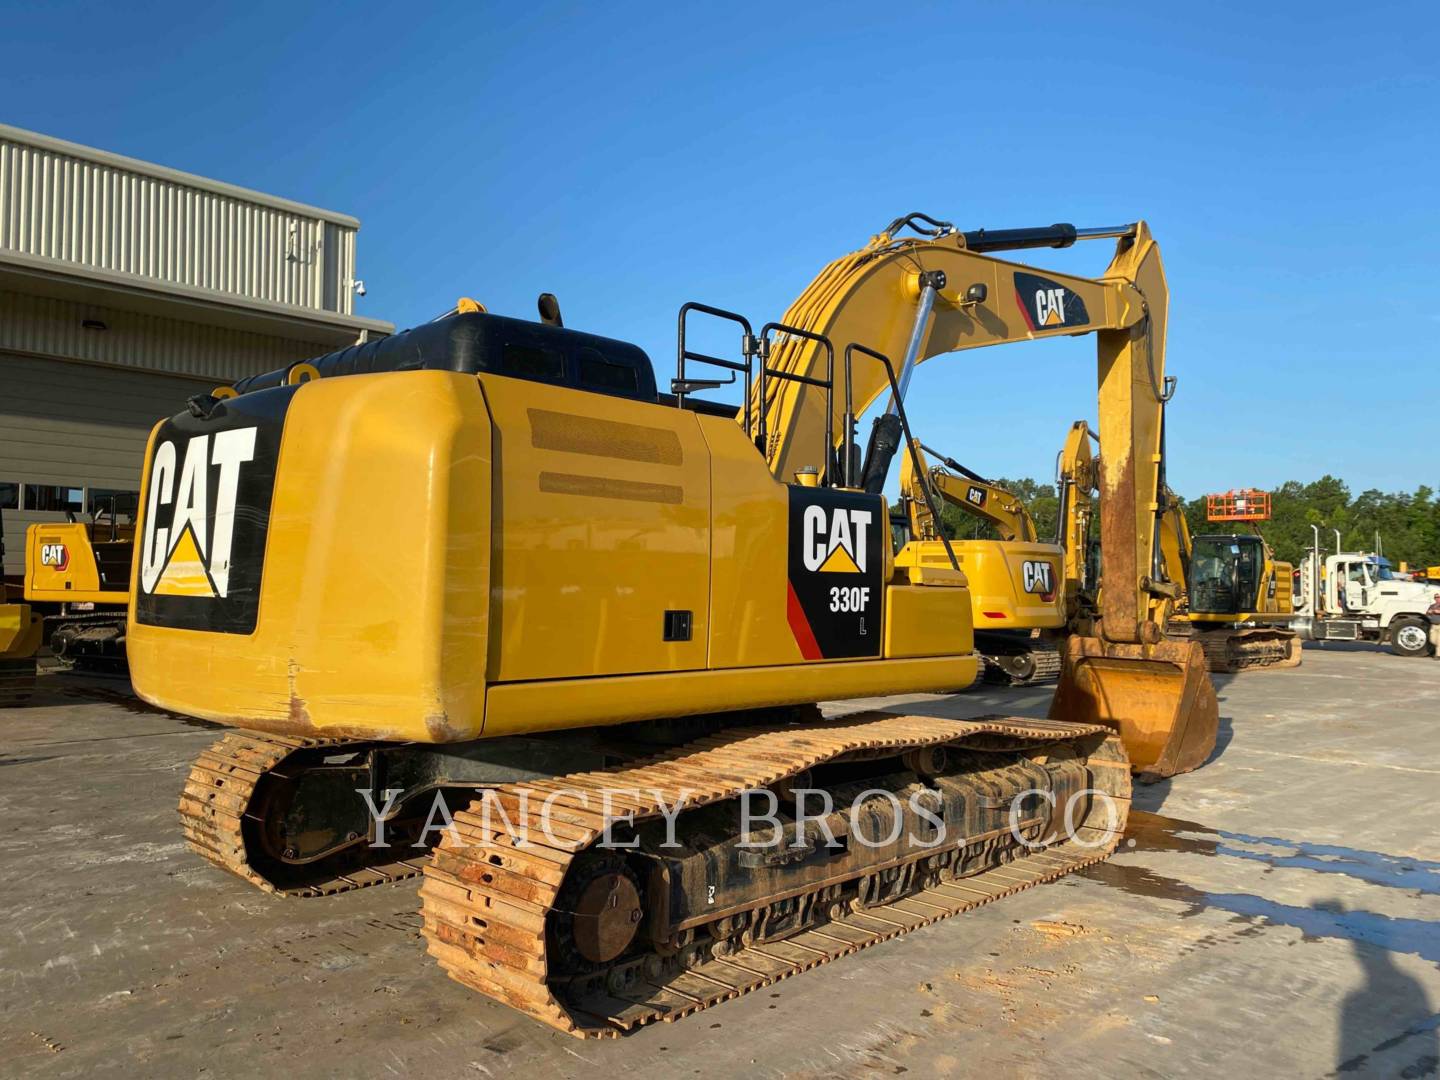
[{"x": 1354, "y": 596}]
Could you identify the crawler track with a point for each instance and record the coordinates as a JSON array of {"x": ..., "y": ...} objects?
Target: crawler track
[
  {"x": 221, "y": 810},
  {"x": 89, "y": 642},
  {"x": 1036, "y": 661},
  {"x": 1248, "y": 649},
  {"x": 494, "y": 889}
]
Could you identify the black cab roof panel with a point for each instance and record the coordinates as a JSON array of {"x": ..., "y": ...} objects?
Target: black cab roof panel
[{"x": 475, "y": 342}]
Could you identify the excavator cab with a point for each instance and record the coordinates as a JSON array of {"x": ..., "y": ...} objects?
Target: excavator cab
[{"x": 1225, "y": 574}]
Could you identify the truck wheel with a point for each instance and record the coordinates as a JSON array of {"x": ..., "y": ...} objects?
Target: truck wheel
[{"x": 1409, "y": 637}]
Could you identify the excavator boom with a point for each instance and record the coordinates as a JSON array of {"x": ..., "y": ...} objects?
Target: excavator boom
[
  {"x": 968, "y": 490},
  {"x": 940, "y": 292},
  {"x": 1076, "y": 480}
]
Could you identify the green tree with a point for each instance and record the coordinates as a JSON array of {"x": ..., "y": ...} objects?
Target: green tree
[{"x": 1406, "y": 524}]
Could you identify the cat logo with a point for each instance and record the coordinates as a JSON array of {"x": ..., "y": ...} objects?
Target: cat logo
[
  {"x": 190, "y": 556},
  {"x": 1050, "y": 307},
  {"x": 975, "y": 495},
  {"x": 55, "y": 555},
  {"x": 835, "y": 545},
  {"x": 1047, "y": 305},
  {"x": 1039, "y": 577},
  {"x": 834, "y": 596}
]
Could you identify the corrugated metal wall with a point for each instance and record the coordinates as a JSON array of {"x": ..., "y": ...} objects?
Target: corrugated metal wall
[
  {"x": 169, "y": 228},
  {"x": 51, "y": 327},
  {"x": 76, "y": 425}
]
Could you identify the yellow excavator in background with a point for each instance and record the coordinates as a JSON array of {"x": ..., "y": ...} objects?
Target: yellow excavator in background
[
  {"x": 20, "y": 633},
  {"x": 1076, "y": 480},
  {"x": 77, "y": 576},
  {"x": 488, "y": 553},
  {"x": 1238, "y": 599},
  {"x": 1175, "y": 545},
  {"x": 1017, "y": 593},
  {"x": 1241, "y": 621}
]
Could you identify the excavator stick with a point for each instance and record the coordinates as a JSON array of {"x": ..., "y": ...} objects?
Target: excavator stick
[{"x": 1159, "y": 699}]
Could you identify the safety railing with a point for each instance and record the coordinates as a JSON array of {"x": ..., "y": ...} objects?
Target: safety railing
[{"x": 1244, "y": 504}]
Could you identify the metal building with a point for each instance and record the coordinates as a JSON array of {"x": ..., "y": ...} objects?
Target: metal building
[{"x": 126, "y": 288}]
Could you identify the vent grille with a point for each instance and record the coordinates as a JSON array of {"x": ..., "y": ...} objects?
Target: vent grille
[{"x": 603, "y": 438}]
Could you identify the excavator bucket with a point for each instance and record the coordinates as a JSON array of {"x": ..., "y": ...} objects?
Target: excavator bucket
[{"x": 1158, "y": 697}]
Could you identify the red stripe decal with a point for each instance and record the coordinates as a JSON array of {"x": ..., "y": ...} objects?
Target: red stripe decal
[
  {"x": 1024, "y": 311},
  {"x": 799, "y": 625}
]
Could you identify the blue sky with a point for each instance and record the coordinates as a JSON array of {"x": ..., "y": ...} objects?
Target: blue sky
[{"x": 629, "y": 157}]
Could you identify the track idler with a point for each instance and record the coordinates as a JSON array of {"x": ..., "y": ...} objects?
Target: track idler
[
  {"x": 1158, "y": 697},
  {"x": 1007, "y": 663}
]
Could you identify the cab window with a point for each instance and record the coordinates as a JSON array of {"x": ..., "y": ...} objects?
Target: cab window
[
  {"x": 54, "y": 497},
  {"x": 108, "y": 502}
]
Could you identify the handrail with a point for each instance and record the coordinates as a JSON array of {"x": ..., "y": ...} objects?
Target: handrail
[
  {"x": 854, "y": 347},
  {"x": 827, "y": 384}
]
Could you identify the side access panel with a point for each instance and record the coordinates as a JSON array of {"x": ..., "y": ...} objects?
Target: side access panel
[
  {"x": 61, "y": 566},
  {"x": 601, "y": 529}
]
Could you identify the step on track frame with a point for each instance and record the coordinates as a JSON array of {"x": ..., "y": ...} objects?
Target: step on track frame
[{"x": 490, "y": 886}]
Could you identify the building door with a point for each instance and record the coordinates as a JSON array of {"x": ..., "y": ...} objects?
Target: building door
[{"x": 72, "y": 436}]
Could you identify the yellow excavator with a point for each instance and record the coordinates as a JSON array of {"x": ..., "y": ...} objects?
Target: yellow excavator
[
  {"x": 77, "y": 576},
  {"x": 1237, "y": 602},
  {"x": 1017, "y": 592},
  {"x": 1077, "y": 479},
  {"x": 490, "y": 553},
  {"x": 1241, "y": 619},
  {"x": 20, "y": 633}
]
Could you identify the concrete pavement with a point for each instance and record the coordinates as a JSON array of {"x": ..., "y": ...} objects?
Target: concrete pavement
[{"x": 1276, "y": 914}]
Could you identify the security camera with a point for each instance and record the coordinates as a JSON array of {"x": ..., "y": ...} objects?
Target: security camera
[{"x": 359, "y": 287}]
